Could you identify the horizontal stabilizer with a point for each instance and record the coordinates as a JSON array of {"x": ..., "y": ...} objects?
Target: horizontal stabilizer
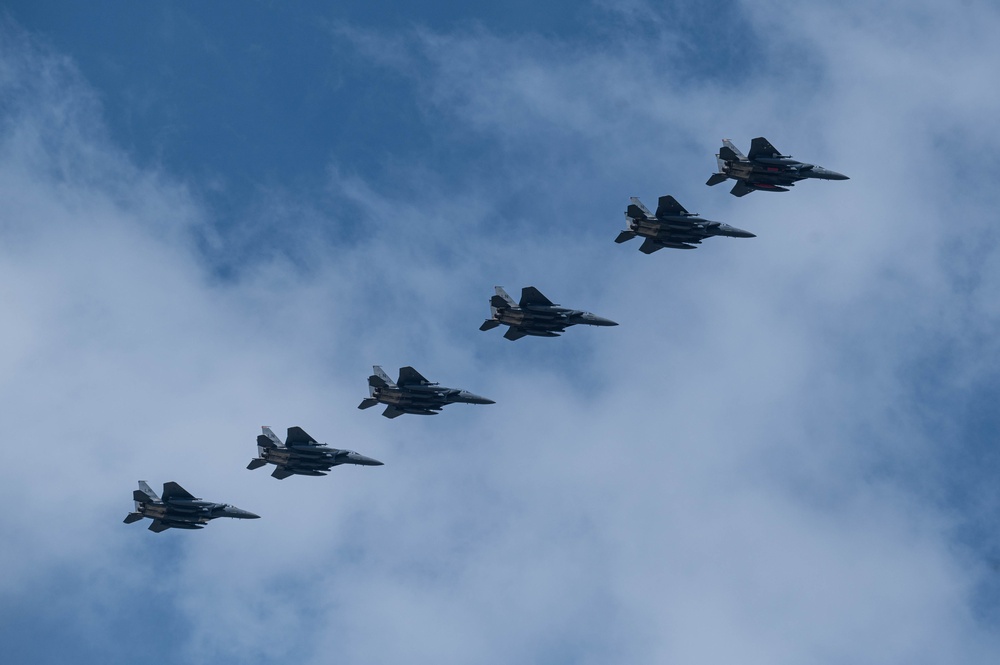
[
  {"x": 367, "y": 403},
  {"x": 497, "y": 302},
  {"x": 256, "y": 463},
  {"x": 264, "y": 442},
  {"x": 281, "y": 473},
  {"x": 717, "y": 178},
  {"x": 141, "y": 497},
  {"x": 625, "y": 236},
  {"x": 132, "y": 517},
  {"x": 489, "y": 324}
]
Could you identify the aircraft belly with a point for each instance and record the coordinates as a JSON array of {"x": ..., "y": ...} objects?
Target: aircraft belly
[
  {"x": 390, "y": 398},
  {"x": 277, "y": 457},
  {"x": 513, "y": 318}
]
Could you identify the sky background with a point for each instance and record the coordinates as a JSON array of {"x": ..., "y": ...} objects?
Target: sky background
[{"x": 215, "y": 216}]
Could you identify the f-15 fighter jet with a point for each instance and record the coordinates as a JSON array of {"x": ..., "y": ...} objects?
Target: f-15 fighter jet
[
  {"x": 672, "y": 226},
  {"x": 764, "y": 168},
  {"x": 535, "y": 315},
  {"x": 302, "y": 455},
  {"x": 412, "y": 393},
  {"x": 178, "y": 508}
]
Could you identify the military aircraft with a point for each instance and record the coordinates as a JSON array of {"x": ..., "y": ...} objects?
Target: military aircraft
[
  {"x": 412, "y": 393},
  {"x": 764, "y": 168},
  {"x": 672, "y": 226},
  {"x": 301, "y": 455},
  {"x": 535, "y": 315},
  {"x": 178, "y": 508}
]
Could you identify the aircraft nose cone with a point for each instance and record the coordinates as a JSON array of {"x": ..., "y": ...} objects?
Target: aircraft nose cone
[
  {"x": 365, "y": 461},
  {"x": 734, "y": 232},
  {"x": 472, "y": 398},
  {"x": 241, "y": 514},
  {"x": 827, "y": 174},
  {"x": 594, "y": 320}
]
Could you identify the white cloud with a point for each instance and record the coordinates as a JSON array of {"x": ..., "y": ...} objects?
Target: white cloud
[{"x": 716, "y": 479}]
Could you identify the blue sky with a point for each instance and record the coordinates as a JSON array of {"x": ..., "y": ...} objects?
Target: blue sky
[{"x": 220, "y": 215}]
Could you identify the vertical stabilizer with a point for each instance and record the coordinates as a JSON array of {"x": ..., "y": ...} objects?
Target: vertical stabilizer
[
  {"x": 380, "y": 373},
  {"x": 148, "y": 491},
  {"x": 736, "y": 151},
  {"x": 503, "y": 294},
  {"x": 637, "y": 204},
  {"x": 272, "y": 437}
]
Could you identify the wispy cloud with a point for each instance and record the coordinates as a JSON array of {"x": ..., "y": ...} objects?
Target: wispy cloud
[{"x": 749, "y": 467}]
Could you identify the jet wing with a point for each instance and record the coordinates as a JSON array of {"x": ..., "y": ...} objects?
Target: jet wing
[
  {"x": 513, "y": 333},
  {"x": 298, "y": 435},
  {"x": 409, "y": 376},
  {"x": 649, "y": 246},
  {"x": 158, "y": 526},
  {"x": 172, "y": 490},
  {"x": 740, "y": 189},
  {"x": 532, "y": 296},
  {"x": 669, "y": 206},
  {"x": 761, "y": 147},
  {"x": 392, "y": 412}
]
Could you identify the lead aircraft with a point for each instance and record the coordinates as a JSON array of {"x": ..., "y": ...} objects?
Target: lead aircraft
[{"x": 764, "y": 169}]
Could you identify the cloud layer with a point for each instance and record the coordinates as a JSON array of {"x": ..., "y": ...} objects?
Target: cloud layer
[{"x": 778, "y": 457}]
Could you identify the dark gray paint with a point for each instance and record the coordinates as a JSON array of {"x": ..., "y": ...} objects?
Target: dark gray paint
[{"x": 764, "y": 169}]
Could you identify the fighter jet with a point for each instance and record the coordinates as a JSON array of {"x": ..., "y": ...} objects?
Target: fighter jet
[
  {"x": 178, "y": 508},
  {"x": 412, "y": 393},
  {"x": 535, "y": 315},
  {"x": 672, "y": 226},
  {"x": 302, "y": 455},
  {"x": 764, "y": 168}
]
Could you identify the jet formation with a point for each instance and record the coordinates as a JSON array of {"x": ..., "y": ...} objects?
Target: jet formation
[
  {"x": 178, "y": 508},
  {"x": 301, "y": 455},
  {"x": 764, "y": 169},
  {"x": 412, "y": 393},
  {"x": 535, "y": 315},
  {"x": 672, "y": 226}
]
